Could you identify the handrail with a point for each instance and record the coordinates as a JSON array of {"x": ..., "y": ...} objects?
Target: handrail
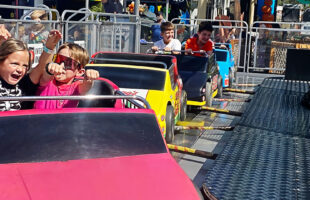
[
  {"x": 75, "y": 97},
  {"x": 81, "y": 11},
  {"x": 212, "y": 20},
  {"x": 31, "y": 8},
  {"x": 39, "y": 6}
]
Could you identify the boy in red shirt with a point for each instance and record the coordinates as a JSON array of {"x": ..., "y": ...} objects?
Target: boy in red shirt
[{"x": 201, "y": 42}]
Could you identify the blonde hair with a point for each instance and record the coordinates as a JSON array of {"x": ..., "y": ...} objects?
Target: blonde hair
[
  {"x": 39, "y": 14},
  {"x": 77, "y": 52},
  {"x": 10, "y": 46}
]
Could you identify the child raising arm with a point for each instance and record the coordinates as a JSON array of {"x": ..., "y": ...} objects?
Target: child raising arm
[{"x": 59, "y": 77}]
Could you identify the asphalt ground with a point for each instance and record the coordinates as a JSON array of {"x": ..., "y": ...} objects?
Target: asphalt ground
[{"x": 213, "y": 140}]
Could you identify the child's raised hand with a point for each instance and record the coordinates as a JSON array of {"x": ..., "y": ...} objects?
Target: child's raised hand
[
  {"x": 91, "y": 75},
  {"x": 4, "y": 33},
  {"x": 55, "y": 69},
  {"x": 53, "y": 38}
]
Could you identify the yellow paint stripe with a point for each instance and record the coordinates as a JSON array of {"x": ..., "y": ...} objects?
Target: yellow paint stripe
[
  {"x": 190, "y": 123},
  {"x": 185, "y": 149},
  {"x": 196, "y": 103}
]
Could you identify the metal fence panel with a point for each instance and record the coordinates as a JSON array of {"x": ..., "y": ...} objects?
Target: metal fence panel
[
  {"x": 32, "y": 32},
  {"x": 269, "y": 42},
  {"x": 102, "y": 31}
]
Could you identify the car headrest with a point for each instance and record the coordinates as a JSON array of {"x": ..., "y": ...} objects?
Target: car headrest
[{"x": 100, "y": 87}]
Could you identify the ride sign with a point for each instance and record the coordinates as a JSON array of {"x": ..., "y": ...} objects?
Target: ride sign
[{"x": 37, "y": 49}]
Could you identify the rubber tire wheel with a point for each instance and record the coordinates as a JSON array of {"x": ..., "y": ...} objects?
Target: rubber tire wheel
[
  {"x": 231, "y": 78},
  {"x": 183, "y": 104},
  {"x": 219, "y": 87},
  {"x": 208, "y": 94},
  {"x": 169, "y": 124}
]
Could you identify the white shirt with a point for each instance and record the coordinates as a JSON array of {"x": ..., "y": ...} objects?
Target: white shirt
[{"x": 174, "y": 44}]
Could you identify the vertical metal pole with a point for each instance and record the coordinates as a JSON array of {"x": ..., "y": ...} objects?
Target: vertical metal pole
[
  {"x": 87, "y": 4},
  {"x": 138, "y": 29},
  {"x": 249, "y": 48},
  {"x": 167, "y": 9},
  {"x": 120, "y": 38},
  {"x": 251, "y": 13},
  {"x": 245, "y": 47},
  {"x": 16, "y": 11},
  {"x": 202, "y": 9},
  {"x": 136, "y": 11}
]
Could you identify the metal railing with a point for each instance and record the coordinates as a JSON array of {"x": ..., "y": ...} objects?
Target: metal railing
[
  {"x": 86, "y": 97},
  {"x": 103, "y": 31},
  {"x": 269, "y": 42}
]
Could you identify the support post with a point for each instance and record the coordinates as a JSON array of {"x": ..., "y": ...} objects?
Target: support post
[
  {"x": 251, "y": 13},
  {"x": 202, "y": 9}
]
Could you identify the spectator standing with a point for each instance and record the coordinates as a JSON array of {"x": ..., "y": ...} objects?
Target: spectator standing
[
  {"x": 156, "y": 33},
  {"x": 39, "y": 31}
]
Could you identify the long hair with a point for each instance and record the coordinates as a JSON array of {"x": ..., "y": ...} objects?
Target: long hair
[{"x": 13, "y": 45}]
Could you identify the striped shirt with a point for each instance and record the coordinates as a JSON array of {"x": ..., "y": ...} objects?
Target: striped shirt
[{"x": 7, "y": 90}]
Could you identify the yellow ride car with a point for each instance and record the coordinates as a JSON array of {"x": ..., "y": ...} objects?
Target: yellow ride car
[{"x": 154, "y": 77}]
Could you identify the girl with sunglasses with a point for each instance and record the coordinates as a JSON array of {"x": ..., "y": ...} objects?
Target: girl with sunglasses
[
  {"x": 15, "y": 61},
  {"x": 59, "y": 79}
]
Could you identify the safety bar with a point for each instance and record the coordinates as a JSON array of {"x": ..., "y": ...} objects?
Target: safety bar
[
  {"x": 162, "y": 51},
  {"x": 86, "y": 97}
]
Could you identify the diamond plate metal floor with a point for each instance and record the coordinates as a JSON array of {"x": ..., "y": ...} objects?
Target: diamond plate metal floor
[{"x": 268, "y": 154}]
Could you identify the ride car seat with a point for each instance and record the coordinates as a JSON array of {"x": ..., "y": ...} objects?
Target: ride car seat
[{"x": 100, "y": 87}]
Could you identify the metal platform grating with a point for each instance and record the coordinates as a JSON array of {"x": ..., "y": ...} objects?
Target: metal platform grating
[
  {"x": 287, "y": 85},
  {"x": 279, "y": 110},
  {"x": 259, "y": 164},
  {"x": 268, "y": 153}
]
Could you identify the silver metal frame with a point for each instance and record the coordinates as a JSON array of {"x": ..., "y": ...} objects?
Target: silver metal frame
[
  {"x": 254, "y": 32},
  {"x": 97, "y": 24},
  {"x": 86, "y": 97}
]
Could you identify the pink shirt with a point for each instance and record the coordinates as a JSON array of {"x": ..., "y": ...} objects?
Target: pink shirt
[{"x": 51, "y": 89}]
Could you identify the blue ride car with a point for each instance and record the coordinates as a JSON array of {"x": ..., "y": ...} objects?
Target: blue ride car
[{"x": 225, "y": 60}]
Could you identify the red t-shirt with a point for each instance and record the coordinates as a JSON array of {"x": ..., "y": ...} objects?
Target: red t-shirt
[{"x": 191, "y": 43}]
